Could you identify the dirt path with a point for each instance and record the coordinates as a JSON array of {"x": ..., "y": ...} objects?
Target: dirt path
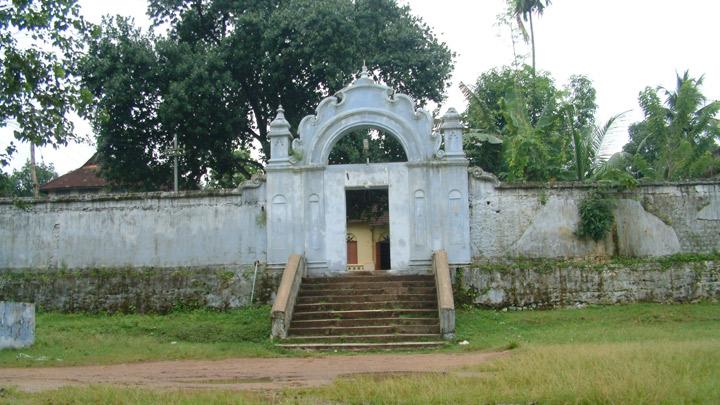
[{"x": 240, "y": 373}]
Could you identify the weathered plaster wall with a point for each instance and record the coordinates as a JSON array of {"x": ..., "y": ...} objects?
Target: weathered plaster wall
[
  {"x": 140, "y": 230},
  {"x": 563, "y": 284},
  {"x": 540, "y": 220}
]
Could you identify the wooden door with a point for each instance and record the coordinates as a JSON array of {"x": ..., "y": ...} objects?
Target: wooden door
[{"x": 352, "y": 252}]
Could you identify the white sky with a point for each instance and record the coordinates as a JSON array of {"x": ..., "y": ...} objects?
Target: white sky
[{"x": 621, "y": 45}]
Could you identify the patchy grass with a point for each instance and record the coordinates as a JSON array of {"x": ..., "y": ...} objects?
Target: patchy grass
[
  {"x": 634, "y": 373},
  {"x": 78, "y": 339},
  {"x": 487, "y": 329},
  {"x": 75, "y": 339},
  {"x": 640, "y": 354},
  {"x": 103, "y": 394},
  {"x": 650, "y": 372}
]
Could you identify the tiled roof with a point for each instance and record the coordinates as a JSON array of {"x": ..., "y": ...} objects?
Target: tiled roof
[{"x": 84, "y": 178}]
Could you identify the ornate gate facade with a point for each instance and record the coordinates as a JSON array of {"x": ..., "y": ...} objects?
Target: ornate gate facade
[{"x": 428, "y": 194}]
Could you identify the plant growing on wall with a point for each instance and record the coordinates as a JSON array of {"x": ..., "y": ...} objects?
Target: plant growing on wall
[
  {"x": 596, "y": 216},
  {"x": 464, "y": 294}
]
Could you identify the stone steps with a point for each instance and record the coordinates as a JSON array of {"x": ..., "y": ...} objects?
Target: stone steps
[
  {"x": 338, "y": 298},
  {"x": 371, "y": 291},
  {"x": 340, "y": 306},
  {"x": 367, "y": 285},
  {"x": 366, "y": 278},
  {"x": 386, "y": 329},
  {"x": 363, "y": 346},
  {"x": 365, "y": 311},
  {"x": 364, "y": 314},
  {"x": 382, "y": 338},
  {"x": 328, "y": 323}
]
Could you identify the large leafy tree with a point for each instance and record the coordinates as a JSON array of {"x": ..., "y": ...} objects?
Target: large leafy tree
[
  {"x": 217, "y": 78},
  {"x": 533, "y": 117},
  {"x": 39, "y": 45},
  {"x": 678, "y": 139}
]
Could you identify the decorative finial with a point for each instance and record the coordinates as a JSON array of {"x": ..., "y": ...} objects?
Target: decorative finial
[
  {"x": 279, "y": 121},
  {"x": 364, "y": 72}
]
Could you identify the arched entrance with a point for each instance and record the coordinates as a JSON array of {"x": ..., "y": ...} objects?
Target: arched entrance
[{"x": 427, "y": 194}]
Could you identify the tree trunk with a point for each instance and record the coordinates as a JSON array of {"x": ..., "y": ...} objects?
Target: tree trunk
[
  {"x": 33, "y": 172},
  {"x": 532, "y": 41}
]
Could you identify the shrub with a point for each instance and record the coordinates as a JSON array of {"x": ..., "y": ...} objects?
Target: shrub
[{"x": 596, "y": 216}]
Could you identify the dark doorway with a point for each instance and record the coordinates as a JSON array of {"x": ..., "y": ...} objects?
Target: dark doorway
[
  {"x": 383, "y": 254},
  {"x": 367, "y": 229}
]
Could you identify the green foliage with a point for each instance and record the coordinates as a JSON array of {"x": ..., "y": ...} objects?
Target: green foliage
[
  {"x": 587, "y": 142},
  {"x": 383, "y": 148},
  {"x": 20, "y": 184},
  {"x": 219, "y": 74},
  {"x": 678, "y": 138},
  {"x": 232, "y": 179},
  {"x": 464, "y": 295},
  {"x": 526, "y": 152},
  {"x": 39, "y": 43},
  {"x": 534, "y": 119},
  {"x": 596, "y": 216},
  {"x": 6, "y": 184}
]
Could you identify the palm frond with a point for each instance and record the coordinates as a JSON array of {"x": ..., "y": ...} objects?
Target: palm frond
[
  {"x": 483, "y": 137},
  {"x": 601, "y": 134},
  {"x": 469, "y": 94},
  {"x": 521, "y": 27}
]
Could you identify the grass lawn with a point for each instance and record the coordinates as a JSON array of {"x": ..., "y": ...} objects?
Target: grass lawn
[
  {"x": 642, "y": 353},
  {"x": 79, "y": 339}
]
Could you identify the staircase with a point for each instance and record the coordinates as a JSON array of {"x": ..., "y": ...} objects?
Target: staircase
[{"x": 365, "y": 311}]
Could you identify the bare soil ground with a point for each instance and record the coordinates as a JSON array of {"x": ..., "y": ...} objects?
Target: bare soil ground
[{"x": 240, "y": 373}]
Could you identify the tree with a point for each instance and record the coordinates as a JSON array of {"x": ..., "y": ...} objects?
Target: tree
[
  {"x": 524, "y": 10},
  {"x": 527, "y": 154},
  {"x": 20, "y": 182},
  {"x": 231, "y": 179},
  {"x": 39, "y": 42},
  {"x": 678, "y": 137},
  {"x": 533, "y": 118},
  {"x": 219, "y": 75},
  {"x": 587, "y": 141},
  {"x": 382, "y": 148}
]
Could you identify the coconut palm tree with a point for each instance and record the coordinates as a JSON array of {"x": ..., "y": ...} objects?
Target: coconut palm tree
[
  {"x": 678, "y": 137},
  {"x": 524, "y": 10},
  {"x": 587, "y": 144}
]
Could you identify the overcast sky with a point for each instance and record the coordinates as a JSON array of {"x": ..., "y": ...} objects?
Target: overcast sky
[{"x": 621, "y": 45}]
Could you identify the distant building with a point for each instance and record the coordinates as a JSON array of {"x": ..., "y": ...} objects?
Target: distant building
[{"x": 85, "y": 180}]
